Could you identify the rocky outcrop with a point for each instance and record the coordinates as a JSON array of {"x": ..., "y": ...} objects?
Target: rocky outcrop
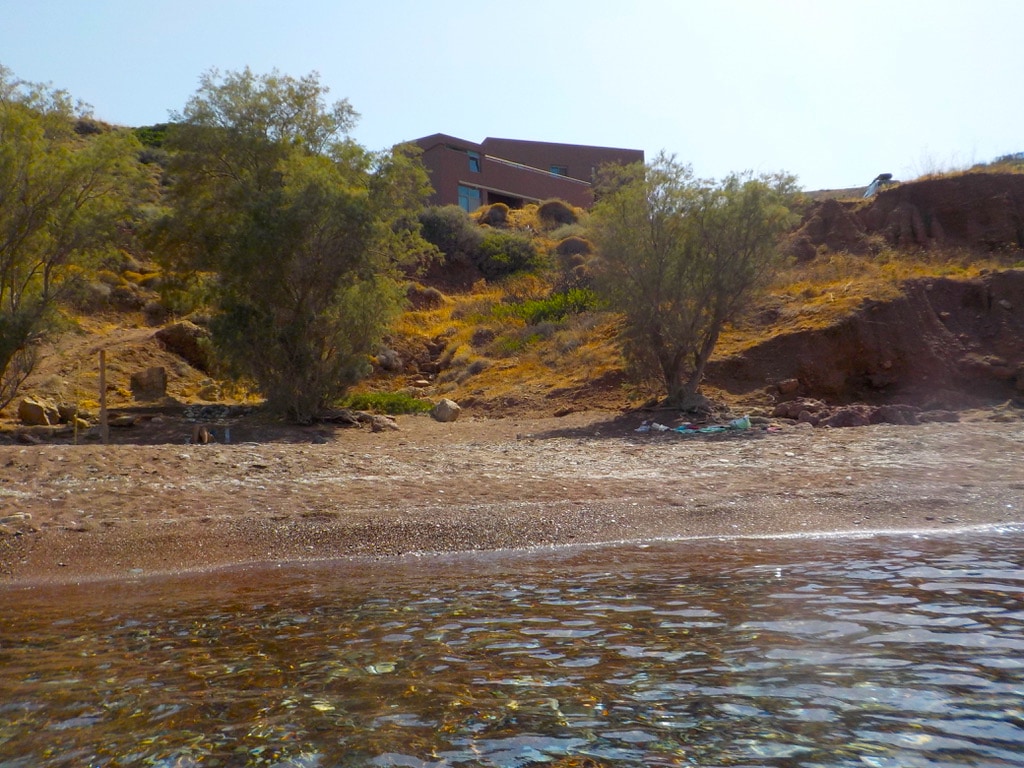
[
  {"x": 189, "y": 341},
  {"x": 973, "y": 210},
  {"x": 944, "y": 344}
]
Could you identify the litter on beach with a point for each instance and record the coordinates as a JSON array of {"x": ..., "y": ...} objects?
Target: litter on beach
[{"x": 736, "y": 425}]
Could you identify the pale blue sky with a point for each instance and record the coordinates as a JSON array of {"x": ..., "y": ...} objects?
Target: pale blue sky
[{"x": 834, "y": 92}]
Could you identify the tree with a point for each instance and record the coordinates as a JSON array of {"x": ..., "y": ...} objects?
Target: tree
[
  {"x": 302, "y": 229},
  {"x": 62, "y": 199},
  {"x": 680, "y": 257}
]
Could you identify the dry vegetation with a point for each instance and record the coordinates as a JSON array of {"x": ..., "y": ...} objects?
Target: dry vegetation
[{"x": 472, "y": 344}]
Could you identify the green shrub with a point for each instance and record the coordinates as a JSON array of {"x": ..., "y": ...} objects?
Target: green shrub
[
  {"x": 501, "y": 254},
  {"x": 514, "y": 343},
  {"x": 151, "y": 135},
  {"x": 386, "y": 402},
  {"x": 452, "y": 231},
  {"x": 567, "y": 230},
  {"x": 553, "y": 213},
  {"x": 554, "y": 308}
]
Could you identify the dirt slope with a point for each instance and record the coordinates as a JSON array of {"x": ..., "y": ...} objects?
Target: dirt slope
[{"x": 944, "y": 344}]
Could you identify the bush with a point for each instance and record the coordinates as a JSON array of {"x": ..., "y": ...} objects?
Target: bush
[
  {"x": 556, "y": 307},
  {"x": 553, "y": 213},
  {"x": 501, "y": 254},
  {"x": 423, "y": 297},
  {"x": 495, "y": 215},
  {"x": 452, "y": 231},
  {"x": 572, "y": 246},
  {"x": 386, "y": 402},
  {"x": 567, "y": 230}
]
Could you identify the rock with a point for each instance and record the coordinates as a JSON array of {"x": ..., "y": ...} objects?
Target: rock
[
  {"x": 189, "y": 341},
  {"x": 791, "y": 409},
  {"x": 389, "y": 360},
  {"x": 927, "y": 417},
  {"x": 788, "y": 386},
  {"x": 895, "y": 414},
  {"x": 38, "y": 411},
  {"x": 806, "y": 417},
  {"x": 200, "y": 435},
  {"x": 382, "y": 424},
  {"x": 150, "y": 384},
  {"x": 446, "y": 410},
  {"x": 849, "y": 416},
  {"x": 67, "y": 412},
  {"x": 209, "y": 392}
]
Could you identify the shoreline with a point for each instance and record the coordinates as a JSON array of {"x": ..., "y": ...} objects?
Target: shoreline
[
  {"x": 453, "y": 556},
  {"x": 123, "y": 512}
]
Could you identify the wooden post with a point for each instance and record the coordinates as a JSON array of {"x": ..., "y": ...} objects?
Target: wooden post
[{"x": 104, "y": 426}]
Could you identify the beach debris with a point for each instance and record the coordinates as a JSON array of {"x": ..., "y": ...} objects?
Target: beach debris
[{"x": 735, "y": 425}]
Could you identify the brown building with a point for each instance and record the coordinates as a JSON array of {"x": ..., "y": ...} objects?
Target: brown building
[{"x": 514, "y": 172}]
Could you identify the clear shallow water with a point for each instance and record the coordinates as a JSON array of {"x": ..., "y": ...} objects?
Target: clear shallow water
[{"x": 886, "y": 652}]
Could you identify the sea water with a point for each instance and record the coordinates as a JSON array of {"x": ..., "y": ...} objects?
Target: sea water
[{"x": 886, "y": 651}]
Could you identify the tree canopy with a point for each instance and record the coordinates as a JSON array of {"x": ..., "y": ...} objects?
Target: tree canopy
[
  {"x": 302, "y": 229},
  {"x": 62, "y": 198},
  {"x": 680, "y": 257}
]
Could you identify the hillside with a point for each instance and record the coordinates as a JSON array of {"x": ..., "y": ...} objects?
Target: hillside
[{"x": 913, "y": 297}]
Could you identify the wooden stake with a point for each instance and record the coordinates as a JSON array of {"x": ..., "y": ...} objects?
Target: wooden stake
[{"x": 104, "y": 426}]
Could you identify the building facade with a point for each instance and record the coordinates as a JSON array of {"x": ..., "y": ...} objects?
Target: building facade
[{"x": 514, "y": 172}]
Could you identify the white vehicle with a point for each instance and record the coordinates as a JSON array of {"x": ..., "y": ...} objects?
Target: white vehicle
[{"x": 881, "y": 180}]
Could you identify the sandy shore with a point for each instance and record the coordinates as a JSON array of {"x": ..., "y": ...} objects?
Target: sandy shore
[{"x": 74, "y": 513}]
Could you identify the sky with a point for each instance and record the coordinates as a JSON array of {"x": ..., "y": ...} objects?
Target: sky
[{"x": 833, "y": 92}]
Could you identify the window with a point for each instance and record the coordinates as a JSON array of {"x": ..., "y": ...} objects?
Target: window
[
  {"x": 474, "y": 161},
  {"x": 560, "y": 170},
  {"x": 469, "y": 198}
]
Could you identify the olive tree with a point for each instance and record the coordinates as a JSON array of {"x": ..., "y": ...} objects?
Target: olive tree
[
  {"x": 63, "y": 199},
  {"x": 680, "y": 257},
  {"x": 302, "y": 230}
]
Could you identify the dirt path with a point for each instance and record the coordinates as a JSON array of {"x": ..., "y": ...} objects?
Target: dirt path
[{"x": 70, "y": 513}]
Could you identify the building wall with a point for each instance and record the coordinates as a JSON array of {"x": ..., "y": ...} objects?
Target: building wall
[
  {"x": 452, "y": 162},
  {"x": 580, "y": 161}
]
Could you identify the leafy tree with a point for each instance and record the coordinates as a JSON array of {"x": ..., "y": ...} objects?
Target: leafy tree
[
  {"x": 62, "y": 197},
  {"x": 680, "y": 257},
  {"x": 303, "y": 229}
]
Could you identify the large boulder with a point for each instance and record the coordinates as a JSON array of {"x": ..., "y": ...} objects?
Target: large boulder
[
  {"x": 446, "y": 410},
  {"x": 38, "y": 411}
]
